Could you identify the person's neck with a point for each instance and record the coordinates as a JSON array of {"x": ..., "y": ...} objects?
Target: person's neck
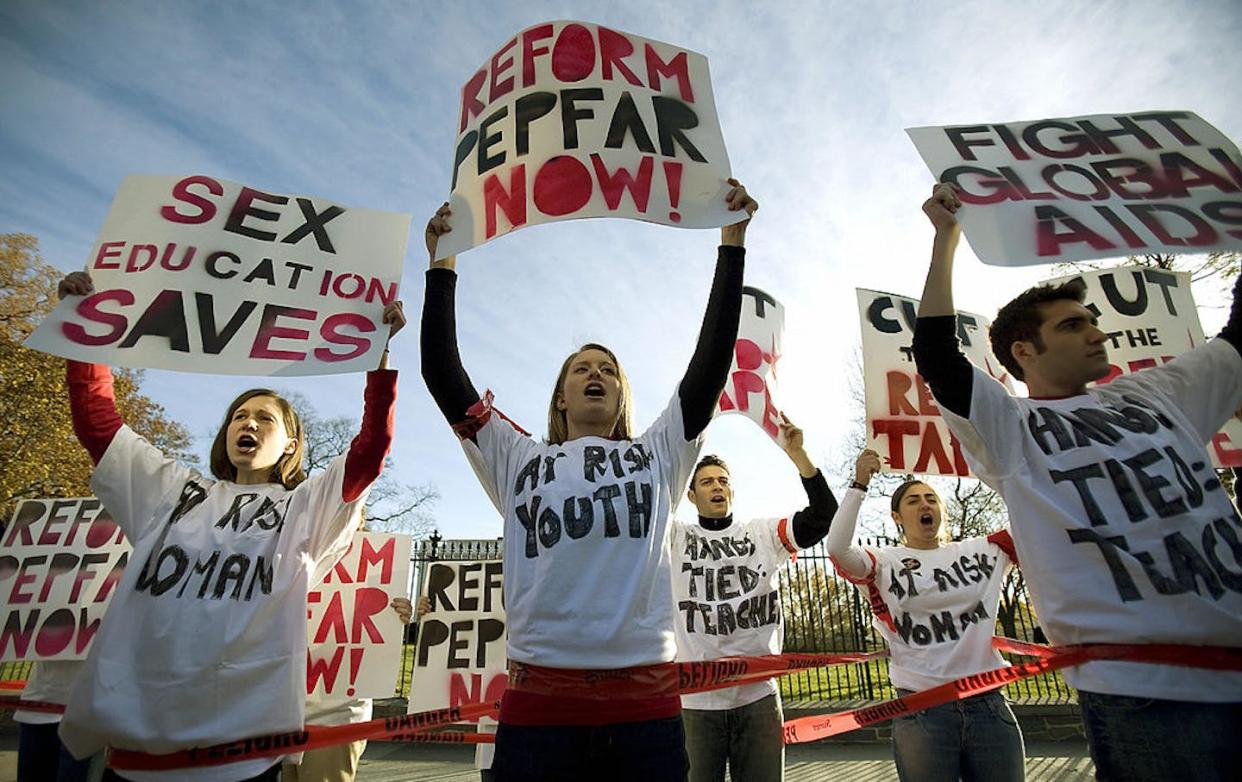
[
  {"x": 1042, "y": 388},
  {"x": 923, "y": 545},
  {"x": 253, "y": 477},
  {"x": 577, "y": 430},
  {"x": 715, "y": 524}
]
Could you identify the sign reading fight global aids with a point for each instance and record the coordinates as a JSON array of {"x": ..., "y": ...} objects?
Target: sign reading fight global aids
[
  {"x": 903, "y": 421},
  {"x": 1099, "y": 186},
  {"x": 355, "y": 638},
  {"x": 460, "y": 658},
  {"x": 1150, "y": 317},
  {"x": 751, "y": 388},
  {"x": 572, "y": 119},
  {"x": 59, "y": 566},
  {"x": 198, "y": 274}
]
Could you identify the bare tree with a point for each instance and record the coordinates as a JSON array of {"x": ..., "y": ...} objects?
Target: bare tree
[{"x": 392, "y": 506}]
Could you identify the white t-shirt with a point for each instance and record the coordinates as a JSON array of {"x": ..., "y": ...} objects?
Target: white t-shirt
[
  {"x": 50, "y": 681},
  {"x": 936, "y": 609},
  {"x": 205, "y": 640},
  {"x": 586, "y": 554},
  {"x": 328, "y": 710},
  {"x": 727, "y": 600},
  {"x": 1125, "y": 533}
]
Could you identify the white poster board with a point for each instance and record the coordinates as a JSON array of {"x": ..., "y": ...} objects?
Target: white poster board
[
  {"x": 198, "y": 274},
  {"x": 1150, "y": 317},
  {"x": 751, "y": 389},
  {"x": 903, "y": 420},
  {"x": 355, "y": 639},
  {"x": 1097, "y": 186},
  {"x": 568, "y": 120},
  {"x": 60, "y": 563}
]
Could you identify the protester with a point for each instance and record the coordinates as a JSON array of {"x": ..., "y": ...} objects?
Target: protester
[
  {"x": 40, "y": 754},
  {"x": 586, "y": 514},
  {"x": 1125, "y": 531},
  {"x": 725, "y": 575},
  {"x": 205, "y": 638},
  {"x": 339, "y": 762},
  {"x": 934, "y": 601}
]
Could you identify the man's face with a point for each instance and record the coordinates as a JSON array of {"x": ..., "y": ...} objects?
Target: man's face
[
  {"x": 711, "y": 493},
  {"x": 1074, "y": 352}
]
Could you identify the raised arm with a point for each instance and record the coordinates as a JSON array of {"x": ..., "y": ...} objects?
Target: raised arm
[
  {"x": 446, "y": 378},
  {"x": 1232, "y": 332},
  {"x": 937, "y": 355},
  {"x": 92, "y": 401},
  {"x": 810, "y": 524},
  {"x": 705, "y": 376},
  {"x": 852, "y": 560},
  {"x": 367, "y": 451}
]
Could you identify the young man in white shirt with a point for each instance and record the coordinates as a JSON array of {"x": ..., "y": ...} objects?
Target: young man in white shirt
[
  {"x": 728, "y": 604},
  {"x": 1125, "y": 532}
]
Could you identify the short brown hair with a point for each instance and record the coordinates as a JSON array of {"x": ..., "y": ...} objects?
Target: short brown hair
[
  {"x": 708, "y": 460},
  {"x": 1020, "y": 319},
  {"x": 288, "y": 471},
  {"x": 558, "y": 426},
  {"x": 900, "y": 491}
]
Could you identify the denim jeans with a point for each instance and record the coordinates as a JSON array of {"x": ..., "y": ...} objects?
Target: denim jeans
[
  {"x": 1141, "y": 739},
  {"x": 650, "y": 751},
  {"x": 749, "y": 739},
  {"x": 42, "y": 758},
  {"x": 972, "y": 739}
]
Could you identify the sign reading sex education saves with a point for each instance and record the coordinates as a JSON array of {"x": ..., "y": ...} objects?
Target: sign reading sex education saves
[
  {"x": 569, "y": 120},
  {"x": 198, "y": 274},
  {"x": 1098, "y": 186}
]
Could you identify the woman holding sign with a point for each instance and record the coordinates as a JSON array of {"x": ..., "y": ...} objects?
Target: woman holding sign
[
  {"x": 587, "y": 581},
  {"x": 205, "y": 640},
  {"x": 935, "y": 604}
]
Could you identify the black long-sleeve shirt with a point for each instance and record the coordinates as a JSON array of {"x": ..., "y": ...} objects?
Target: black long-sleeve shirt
[
  {"x": 948, "y": 373},
  {"x": 810, "y": 524},
  {"x": 700, "y": 388}
]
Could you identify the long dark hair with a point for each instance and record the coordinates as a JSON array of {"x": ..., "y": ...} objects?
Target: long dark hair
[{"x": 288, "y": 471}]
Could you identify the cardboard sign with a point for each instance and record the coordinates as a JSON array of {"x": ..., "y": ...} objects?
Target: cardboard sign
[
  {"x": 59, "y": 567},
  {"x": 355, "y": 639},
  {"x": 460, "y": 657},
  {"x": 571, "y": 119},
  {"x": 903, "y": 421},
  {"x": 204, "y": 275},
  {"x": 1150, "y": 318},
  {"x": 751, "y": 387},
  {"x": 1090, "y": 187}
]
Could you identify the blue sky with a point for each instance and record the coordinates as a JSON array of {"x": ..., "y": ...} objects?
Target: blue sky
[{"x": 356, "y": 102}]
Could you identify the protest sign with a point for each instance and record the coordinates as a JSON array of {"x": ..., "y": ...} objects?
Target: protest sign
[
  {"x": 59, "y": 567},
  {"x": 460, "y": 658},
  {"x": 570, "y": 120},
  {"x": 751, "y": 387},
  {"x": 354, "y": 638},
  {"x": 1090, "y": 187},
  {"x": 204, "y": 275},
  {"x": 1150, "y": 317},
  {"x": 903, "y": 421}
]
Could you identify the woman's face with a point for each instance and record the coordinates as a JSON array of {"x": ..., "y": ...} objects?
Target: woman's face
[
  {"x": 591, "y": 393},
  {"x": 918, "y": 513},
  {"x": 257, "y": 438}
]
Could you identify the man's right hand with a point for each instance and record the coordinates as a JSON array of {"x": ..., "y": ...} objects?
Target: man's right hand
[
  {"x": 942, "y": 207},
  {"x": 75, "y": 284}
]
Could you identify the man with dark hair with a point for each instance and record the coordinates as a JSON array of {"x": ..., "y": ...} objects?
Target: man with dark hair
[
  {"x": 728, "y": 604},
  {"x": 1125, "y": 532}
]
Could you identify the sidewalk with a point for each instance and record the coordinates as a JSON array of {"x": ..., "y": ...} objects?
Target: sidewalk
[{"x": 1064, "y": 761}]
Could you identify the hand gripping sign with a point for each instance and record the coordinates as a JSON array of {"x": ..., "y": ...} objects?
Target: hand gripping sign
[
  {"x": 751, "y": 387},
  {"x": 204, "y": 275},
  {"x": 903, "y": 422},
  {"x": 572, "y": 119},
  {"x": 1090, "y": 187},
  {"x": 1150, "y": 317},
  {"x": 355, "y": 638}
]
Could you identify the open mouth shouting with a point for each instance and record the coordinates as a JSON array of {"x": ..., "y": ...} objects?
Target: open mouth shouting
[
  {"x": 247, "y": 444},
  {"x": 595, "y": 390},
  {"x": 927, "y": 521}
]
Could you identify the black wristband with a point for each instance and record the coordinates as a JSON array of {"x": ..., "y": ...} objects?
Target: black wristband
[{"x": 857, "y": 485}]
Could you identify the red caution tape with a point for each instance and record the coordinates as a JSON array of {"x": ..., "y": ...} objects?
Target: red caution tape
[
  {"x": 1050, "y": 658},
  {"x": 17, "y": 703}
]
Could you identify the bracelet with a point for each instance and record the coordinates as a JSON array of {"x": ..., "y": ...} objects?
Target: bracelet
[{"x": 857, "y": 485}]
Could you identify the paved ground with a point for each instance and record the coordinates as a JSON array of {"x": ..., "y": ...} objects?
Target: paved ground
[{"x": 389, "y": 762}]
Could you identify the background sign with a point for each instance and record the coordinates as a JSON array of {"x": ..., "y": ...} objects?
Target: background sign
[{"x": 751, "y": 388}]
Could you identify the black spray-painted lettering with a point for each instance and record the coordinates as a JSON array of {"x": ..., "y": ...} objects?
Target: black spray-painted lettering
[
  {"x": 170, "y": 566},
  {"x": 938, "y": 628},
  {"x": 543, "y": 526}
]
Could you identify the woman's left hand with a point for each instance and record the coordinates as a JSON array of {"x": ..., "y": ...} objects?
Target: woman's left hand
[
  {"x": 404, "y": 609},
  {"x": 394, "y": 317}
]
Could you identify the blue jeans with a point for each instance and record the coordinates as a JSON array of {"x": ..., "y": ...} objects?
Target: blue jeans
[
  {"x": 42, "y": 758},
  {"x": 1140, "y": 739},
  {"x": 750, "y": 739},
  {"x": 973, "y": 739},
  {"x": 650, "y": 751}
]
